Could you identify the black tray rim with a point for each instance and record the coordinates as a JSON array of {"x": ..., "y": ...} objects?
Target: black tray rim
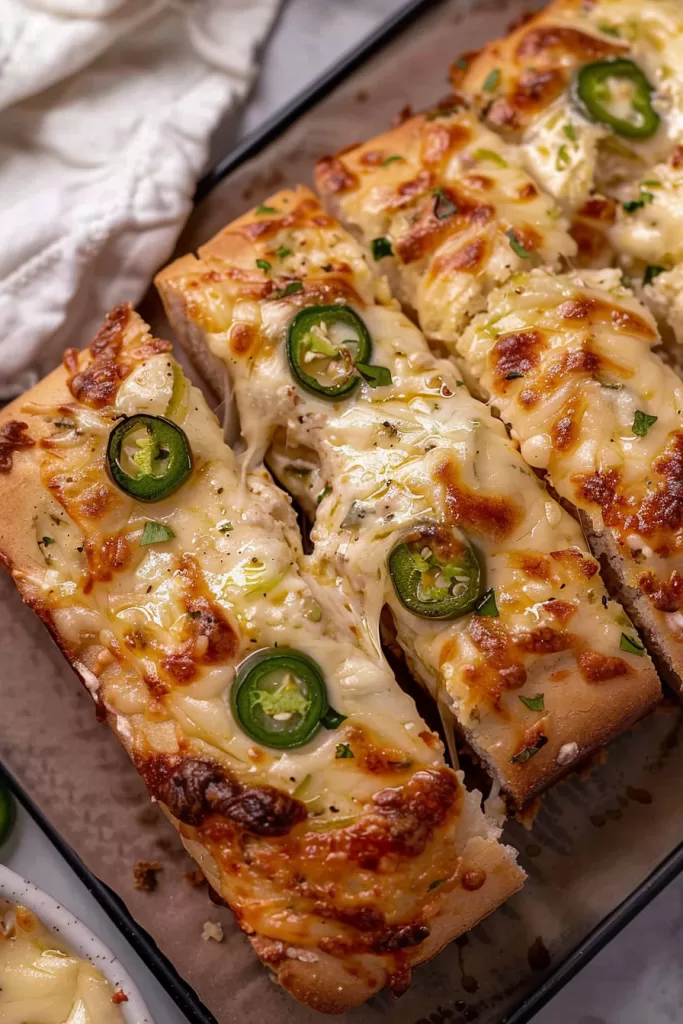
[{"x": 143, "y": 944}]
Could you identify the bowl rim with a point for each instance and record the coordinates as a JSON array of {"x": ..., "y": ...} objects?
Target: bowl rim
[{"x": 80, "y": 939}]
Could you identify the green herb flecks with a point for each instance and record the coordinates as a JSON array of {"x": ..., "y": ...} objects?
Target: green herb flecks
[
  {"x": 642, "y": 422},
  {"x": 517, "y": 246},
  {"x": 155, "y": 533},
  {"x": 380, "y": 247},
  {"x": 375, "y": 376},
  {"x": 528, "y": 752},
  {"x": 443, "y": 205},
  {"x": 487, "y": 607},
  {"x": 536, "y": 703},
  {"x": 491, "y": 80},
  {"x": 332, "y": 719},
  {"x": 631, "y": 646},
  {"x": 291, "y": 289},
  {"x": 652, "y": 270}
]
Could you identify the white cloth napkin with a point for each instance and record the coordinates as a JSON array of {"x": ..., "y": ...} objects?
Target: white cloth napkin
[{"x": 106, "y": 111}]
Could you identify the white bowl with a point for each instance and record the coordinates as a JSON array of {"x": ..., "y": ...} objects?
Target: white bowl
[{"x": 78, "y": 938}]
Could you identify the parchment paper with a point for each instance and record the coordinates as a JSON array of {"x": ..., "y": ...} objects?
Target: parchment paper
[{"x": 595, "y": 839}]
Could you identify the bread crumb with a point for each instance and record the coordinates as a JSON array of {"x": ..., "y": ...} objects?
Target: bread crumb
[
  {"x": 212, "y": 930},
  {"x": 119, "y": 996},
  {"x": 145, "y": 875},
  {"x": 195, "y": 878}
]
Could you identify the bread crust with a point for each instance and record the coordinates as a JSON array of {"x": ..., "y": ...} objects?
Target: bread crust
[
  {"x": 591, "y": 715},
  {"x": 331, "y": 983},
  {"x": 532, "y": 65}
]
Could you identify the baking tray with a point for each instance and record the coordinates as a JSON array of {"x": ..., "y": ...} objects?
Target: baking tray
[{"x": 601, "y": 846}]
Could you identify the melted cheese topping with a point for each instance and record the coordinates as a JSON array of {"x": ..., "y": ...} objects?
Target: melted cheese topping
[
  {"x": 421, "y": 449},
  {"x": 571, "y": 156},
  {"x": 156, "y": 632},
  {"x": 569, "y": 359},
  {"x": 460, "y": 213},
  {"x": 42, "y": 980},
  {"x": 242, "y": 534}
]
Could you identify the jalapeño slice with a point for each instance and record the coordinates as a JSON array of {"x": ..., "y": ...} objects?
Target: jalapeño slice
[
  {"x": 7, "y": 812},
  {"x": 324, "y": 344},
  {"x": 148, "y": 457},
  {"x": 279, "y": 697},
  {"x": 435, "y": 572},
  {"x": 617, "y": 93}
]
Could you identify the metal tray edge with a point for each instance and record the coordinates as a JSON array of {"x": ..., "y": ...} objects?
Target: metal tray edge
[
  {"x": 139, "y": 939},
  {"x": 143, "y": 944}
]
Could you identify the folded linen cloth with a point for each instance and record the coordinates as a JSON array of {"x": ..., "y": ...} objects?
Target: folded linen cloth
[{"x": 106, "y": 112}]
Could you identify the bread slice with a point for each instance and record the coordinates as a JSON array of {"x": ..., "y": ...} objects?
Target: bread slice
[
  {"x": 624, "y": 194},
  {"x": 535, "y": 676},
  {"x": 362, "y": 833},
  {"x": 569, "y": 362},
  {"x": 456, "y": 208}
]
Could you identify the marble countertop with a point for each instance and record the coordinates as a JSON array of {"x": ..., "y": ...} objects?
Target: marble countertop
[{"x": 639, "y": 976}]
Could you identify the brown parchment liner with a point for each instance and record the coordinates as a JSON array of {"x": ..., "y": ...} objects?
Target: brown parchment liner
[{"x": 595, "y": 838}]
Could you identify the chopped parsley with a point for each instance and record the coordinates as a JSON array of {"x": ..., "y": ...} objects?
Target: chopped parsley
[
  {"x": 609, "y": 30},
  {"x": 380, "y": 248},
  {"x": 517, "y": 246},
  {"x": 631, "y": 646},
  {"x": 343, "y": 750},
  {"x": 513, "y": 375},
  {"x": 491, "y": 80},
  {"x": 46, "y": 541},
  {"x": 642, "y": 422},
  {"x": 291, "y": 289},
  {"x": 536, "y": 703},
  {"x": 435, "y": 884},
  {"x": 460, "y": 383},
  {"x": 283, "y": 251},
  {"x": 652, "y": 270},
  {"x": 225, "y": 527},
  {"x": 332, "y": 720},
  {"x": 262, "y": 208},
  {"x": 487, "y": 606},
  {"x": 264, "y": 265},
  {"x": 155, "y": 533},
  {"x": 323, "y": 494},
  {"x": 461, "y": 64},
  {"x": 636, "y": 204},
  {"x": 528, "y": 752},
  {"x": 570, "y": 131},
  {"x": 391, "y": 159},
  {"x": 443, "y": 205},
  {"x": 375, "y": 376}
]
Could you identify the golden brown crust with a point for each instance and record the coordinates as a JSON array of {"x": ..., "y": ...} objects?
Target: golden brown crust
[
  {"x": 411, "y": 814},
  {"x": 587, "y": 712},
  {"x": 511, "y": 80}
]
